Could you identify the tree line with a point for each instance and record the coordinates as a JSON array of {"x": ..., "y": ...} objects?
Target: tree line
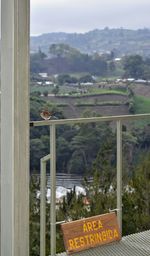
[{"x": 63, "y": 59}]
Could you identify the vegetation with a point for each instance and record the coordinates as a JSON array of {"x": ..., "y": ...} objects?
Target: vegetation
[
  {"x": 118, "y": 41},
  {"x": 96, "y": 103},
  {"x": 101, "y": 194},
  {"x": 142, "y": 104},
  {"x": 136, "y": 67},
  {"x": 68, "y": 62},
  {"x": 90, "y": 149}
]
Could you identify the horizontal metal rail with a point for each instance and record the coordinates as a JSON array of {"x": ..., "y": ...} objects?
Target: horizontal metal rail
[
  {"x": 52, "y": 156},
  {"x": 90, "y": 120}
]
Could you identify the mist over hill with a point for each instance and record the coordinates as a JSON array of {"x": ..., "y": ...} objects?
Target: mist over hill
[{"x": 120, "y": 41}]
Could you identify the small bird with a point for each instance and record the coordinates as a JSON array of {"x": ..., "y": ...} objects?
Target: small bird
[{"x": 46, "y": 115}]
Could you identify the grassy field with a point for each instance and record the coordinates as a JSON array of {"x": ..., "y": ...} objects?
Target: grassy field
[
  {"x": 106, "y": 91},
  {"x": 76, "y": 91},
  {"x": 142, "y": 105},
  {"x": 104, "y": 103},
  {"x": 41, "y": 89}
]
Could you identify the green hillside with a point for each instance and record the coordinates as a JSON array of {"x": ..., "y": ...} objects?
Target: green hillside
[{"x": 120, "y": 41}]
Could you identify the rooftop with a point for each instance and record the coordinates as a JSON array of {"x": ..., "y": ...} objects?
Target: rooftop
[{"x": 135, "y": 244}]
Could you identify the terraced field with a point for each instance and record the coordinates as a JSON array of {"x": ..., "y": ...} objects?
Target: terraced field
[{"x": 102, "y": 104}]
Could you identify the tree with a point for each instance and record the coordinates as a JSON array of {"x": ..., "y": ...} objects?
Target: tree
[
  {"x": 133, "y": 66},
  {"x": 39, "y": 147},
  {"x": 55, "y": 90},
  {"x": 86, "y": 79},
  {"x": 36, "y": 61},
  {"x": 105, "y": 162},
  {"x": 146, "y": 72},
  {"x": 101, "y": 200},
  {"x": 62, "y": 50},
  {"x": 136, "y": 203},
  {"x": 45, "y": 93},
  {"x": 34, "y": 216},
  {"x": 63, "y": 153}
]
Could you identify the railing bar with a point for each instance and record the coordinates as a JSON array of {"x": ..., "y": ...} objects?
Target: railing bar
[
  {"x": 60, "y": 222},
  {"x": 90, "y": 119},
  {"x": 42, "y": 208},
  {"x": 46, "y": 158},
  {"x": 119, "y": 174},
  {"x": 53, "y": 188}
]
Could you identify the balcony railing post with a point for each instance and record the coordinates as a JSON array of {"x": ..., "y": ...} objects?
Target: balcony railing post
[
  {"x": 43, "y": 204},
  {"x": 53, "y": 188},
  {"x": 119, "y": 173},
  {"x": 43, "y": 208}
]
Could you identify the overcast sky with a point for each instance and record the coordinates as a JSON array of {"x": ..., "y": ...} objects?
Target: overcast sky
[{"x": 84, "y": 15}]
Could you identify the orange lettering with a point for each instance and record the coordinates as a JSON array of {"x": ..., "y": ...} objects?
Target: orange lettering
[
  {"x": 82, "y": 241},
  {"x": 99, "y": 237},
  {"x": 91, "y": 239},
  {"x": 115, "y": 233},
  {"x": 71, "y": 244},
  {"x": 87, "y": 240},
  {"x": 85, "y": 229},
  {"x": 110, "y": 233},
  {"x": 104, "y": 236},
  {"x": 100, "y": 224},
  {"x": 89, "y": 224},
  {"x": 76, "y": 240},
  {"x": 95, "y": 238},
  {"x": 94, "y": 225}
]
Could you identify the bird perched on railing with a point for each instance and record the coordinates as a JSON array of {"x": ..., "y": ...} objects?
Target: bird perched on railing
[{"x": 47, "y": 115}]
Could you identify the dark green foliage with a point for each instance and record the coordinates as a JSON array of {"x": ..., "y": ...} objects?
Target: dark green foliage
[
  {"x": 34, "y": 217},
  {"x": 55, "y": 91},
  {"x": 136, "y": 199},
  {"x": 45, "y": 93},
  {"x": 101, "y": 190},
  {"x": 72, "y": 207},
  {"x": 38, "y": 149},
  {"x": 65, "y": 78},
  {"x": 136, "y": 67},
  {"x": 86, "y": 79},
  {"x": 131, "y": 107},
  {"x": 39, "y": 136},
  {"x": 66, "y": 59},
  {"x": 36, "y": 105},
  {"x": 99, "y": 194},
  {"x": 63, "y": 50},
  {"x": 133, "y": 66},
  {"x": 36, "y": 62}
]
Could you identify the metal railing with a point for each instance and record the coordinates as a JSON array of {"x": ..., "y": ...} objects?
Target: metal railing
[{"x": 52, "y": 156}]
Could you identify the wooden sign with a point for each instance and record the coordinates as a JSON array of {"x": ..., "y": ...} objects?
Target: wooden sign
[{"x": 91, "y": 232}]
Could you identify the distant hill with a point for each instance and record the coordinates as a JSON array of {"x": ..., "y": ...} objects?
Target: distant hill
[{"x": 120, "y": 41}]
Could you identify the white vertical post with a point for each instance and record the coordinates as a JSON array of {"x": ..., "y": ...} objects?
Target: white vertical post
[
  {"x": 43, "y": 205},
  {"x": 53, "y": 188},
  {"x": 43, "y": 208},
  {"x": 119, "y": 173},
  {"x": 14, "y": 128}
]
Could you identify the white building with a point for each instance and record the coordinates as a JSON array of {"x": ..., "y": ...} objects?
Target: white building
[{"x": 43, "y": 75}]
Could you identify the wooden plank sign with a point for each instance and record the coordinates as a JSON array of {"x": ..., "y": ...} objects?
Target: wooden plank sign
[{"x": 90, "y": 232}]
